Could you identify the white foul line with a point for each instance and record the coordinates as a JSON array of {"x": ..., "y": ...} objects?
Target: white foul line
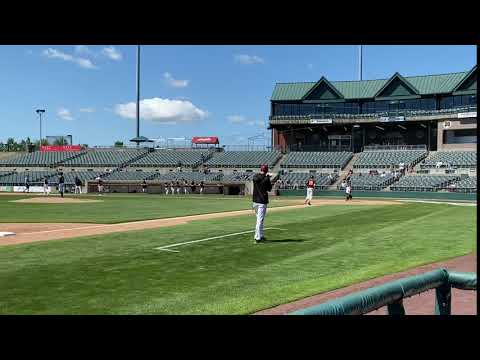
[
  {"x": 166, "y": 248},
  {"x": 441, "y": 202}
]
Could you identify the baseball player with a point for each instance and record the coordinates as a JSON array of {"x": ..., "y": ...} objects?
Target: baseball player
[
  {"x": 78, "y": 185},
  {"x": 46, "y": 188},
  {"x": 166, "y": 188},
  {"x": 261, "y": 187},
  {"x": 310, "y": 187},
  {"x": 61, "y": 184},
  {"x": 185, "y": 187},
  {"x": 144, "y": 186},
  {"x": 172, "y": 188},
  {"x": 348, "y": 191},
  {"x": 202, "y": 187},
  {"x": 99, "y": 185},
  {"x": 178, "y": 187},
  {"x": 27, "y": 185},
  {"x": 193, "y": 187}
]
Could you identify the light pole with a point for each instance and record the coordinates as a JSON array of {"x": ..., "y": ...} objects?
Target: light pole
[
  {"x": 40, "y": 112},
  {"x": 138, "y": 92}
]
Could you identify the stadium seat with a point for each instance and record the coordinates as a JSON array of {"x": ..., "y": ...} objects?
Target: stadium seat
[{"x": 332, "y": 160}]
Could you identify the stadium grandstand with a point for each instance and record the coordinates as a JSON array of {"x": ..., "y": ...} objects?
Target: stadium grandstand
[
  {"x": 40, "y": 159},
  {"x": 377, "y": 159},
  {"x": 405, "y": 133},
  {"x": 243, "y": 159},
  {"x": 172, "y": 158},
  {"x": 313, "y": 160}
]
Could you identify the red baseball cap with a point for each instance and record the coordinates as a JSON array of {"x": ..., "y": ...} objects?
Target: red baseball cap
[{"x": 264, "y": 168}]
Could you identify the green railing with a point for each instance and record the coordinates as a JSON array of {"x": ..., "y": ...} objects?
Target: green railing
[{"x": 392, "y": 294}]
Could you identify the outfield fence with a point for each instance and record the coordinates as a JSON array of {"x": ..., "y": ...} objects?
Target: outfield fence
[{"x": 392, "y": 294}]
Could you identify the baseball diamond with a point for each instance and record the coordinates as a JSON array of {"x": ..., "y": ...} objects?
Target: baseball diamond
[{"x": 362, "y": 198}]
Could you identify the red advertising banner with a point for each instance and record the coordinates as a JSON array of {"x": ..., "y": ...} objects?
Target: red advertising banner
[
  {"x": 205, "y": 140},
  {"x": 46, "y": 148}
]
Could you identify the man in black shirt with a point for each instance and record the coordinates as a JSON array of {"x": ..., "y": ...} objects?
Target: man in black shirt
[
  {"x": 61, "y": 184},
  {"x": 261, "y": 187},
  {"x": 78, "y": 185}
]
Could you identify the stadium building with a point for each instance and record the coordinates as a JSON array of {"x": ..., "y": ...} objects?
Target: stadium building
[{"x": 437, "y": 112}]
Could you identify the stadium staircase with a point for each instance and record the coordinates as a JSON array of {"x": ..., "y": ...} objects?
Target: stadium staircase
[
  {"x": 74, "y": 156},
  {"x": 127, "y": 163},
  {"x": 344, "y": 172}
]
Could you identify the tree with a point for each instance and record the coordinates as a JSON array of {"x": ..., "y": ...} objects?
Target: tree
[
  {"x": 60, "y": 142},
  {"x": 118, "y": 143}
]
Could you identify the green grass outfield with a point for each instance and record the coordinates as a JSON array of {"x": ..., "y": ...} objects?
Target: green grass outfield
[
  {"x": 322, "y": 248},
  {"x": 116, "y": 208}
]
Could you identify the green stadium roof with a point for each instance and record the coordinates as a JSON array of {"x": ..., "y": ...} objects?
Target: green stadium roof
[{"x": 369, "y": 89}]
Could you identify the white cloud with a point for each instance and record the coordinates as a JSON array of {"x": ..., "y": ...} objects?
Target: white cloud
[
  {"x": 112, "y": 53},
  {"x": 174, "y": 82},
  {"x": 236, "y": 119},
  {"x": 240, "y": 119},
  {"x": 64, "y": 114},
  {"x": 162, "y": 110},
  {"x": 82, "y": 49},
  {"x": 87, "y": 110},
  {"x": 56, "y": 54},
  {"x": 249, "y": 59}
]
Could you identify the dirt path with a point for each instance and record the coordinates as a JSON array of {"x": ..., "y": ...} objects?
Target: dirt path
[
  {"x": 30, "y": 232},
  {"x": 464, "y": 302}
]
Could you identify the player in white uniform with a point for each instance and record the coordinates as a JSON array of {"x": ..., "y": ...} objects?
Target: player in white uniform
[
  {"x": 310, "y": 187},
  {"x": 348, "y": 191}
]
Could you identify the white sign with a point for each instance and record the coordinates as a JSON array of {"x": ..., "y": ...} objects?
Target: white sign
[
  {"x": 395, "y": 118},
  {"x": 320, "y": 121},
  {"x": 468, "y": 115},
  {"x": 32, "y": 189}
]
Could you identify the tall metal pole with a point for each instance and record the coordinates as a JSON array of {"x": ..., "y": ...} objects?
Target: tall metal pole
[
  {"x": 360, "y": 67},
  {"x": 138, "y": 92},
  {"x": 40, "y": 112},
  {"x": 40, "y": 128}
]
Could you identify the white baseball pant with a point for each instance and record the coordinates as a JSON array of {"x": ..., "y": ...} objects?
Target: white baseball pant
[{"x": 260, "y": 211}]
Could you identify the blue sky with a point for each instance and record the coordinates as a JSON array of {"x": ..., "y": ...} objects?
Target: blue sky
[{"x": 224, "y": 91}]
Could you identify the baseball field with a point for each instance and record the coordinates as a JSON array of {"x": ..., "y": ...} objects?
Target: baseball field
[{"x": 157, "y": 254}]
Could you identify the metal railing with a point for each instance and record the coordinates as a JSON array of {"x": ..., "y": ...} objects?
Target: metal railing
[
  {"x": 394, "y": 147},
  {"x": 411, "y": 113},
  {"x": 392, "y": 294}
]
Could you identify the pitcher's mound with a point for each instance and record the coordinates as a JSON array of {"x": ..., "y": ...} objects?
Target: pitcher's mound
[{"x": 55, "y": 200}]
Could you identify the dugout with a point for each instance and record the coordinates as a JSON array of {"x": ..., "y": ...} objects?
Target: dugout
[{"x": 160, "y": 187}]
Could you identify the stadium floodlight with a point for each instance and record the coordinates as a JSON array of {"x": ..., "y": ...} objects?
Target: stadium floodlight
[{"x": 40, "y": 112}]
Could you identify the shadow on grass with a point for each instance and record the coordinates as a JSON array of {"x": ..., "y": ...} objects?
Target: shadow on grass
[{"x": 282, "y": 241}]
